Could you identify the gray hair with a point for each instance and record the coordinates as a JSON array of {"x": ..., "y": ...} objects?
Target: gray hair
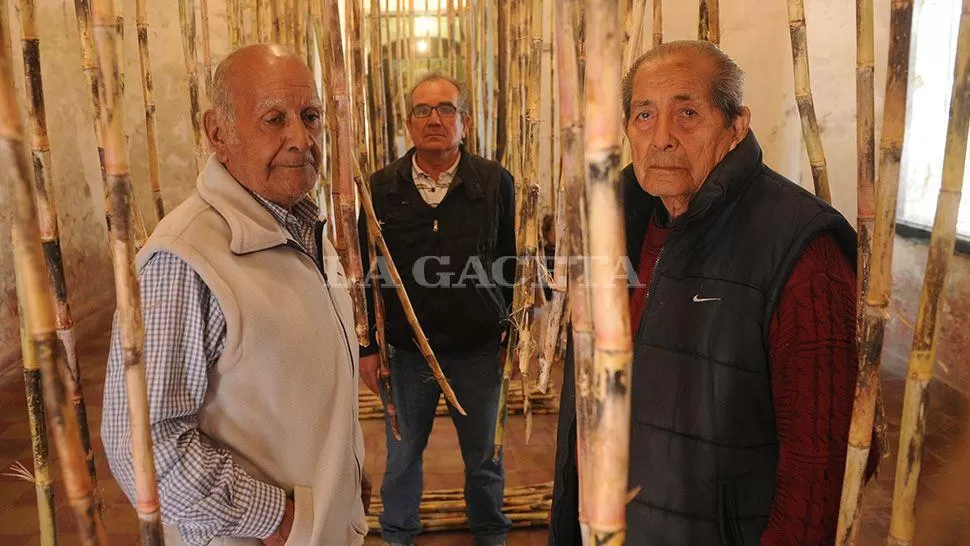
[
  {"x": 727, "y": 86},
  {"x": 437, "y": 76}
]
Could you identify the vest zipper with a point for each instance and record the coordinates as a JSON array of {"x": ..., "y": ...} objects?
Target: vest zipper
[{"x": 318, "y": 230}]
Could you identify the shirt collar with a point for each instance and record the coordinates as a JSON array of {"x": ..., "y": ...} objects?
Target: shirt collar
[{"x": 450, "y": 171}]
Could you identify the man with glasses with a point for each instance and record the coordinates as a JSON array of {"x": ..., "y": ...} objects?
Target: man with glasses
[{"x": 448, "y": 218}]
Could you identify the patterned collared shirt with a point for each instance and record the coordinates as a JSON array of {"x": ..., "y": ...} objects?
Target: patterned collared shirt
[
  {"x": 431, "y": 190},
  {"x": 202, "y": 490}
]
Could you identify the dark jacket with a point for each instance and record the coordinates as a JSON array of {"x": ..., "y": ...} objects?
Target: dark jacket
[
  {"x": 457, "y": 260},
  {"x": 703, "y": 444}
]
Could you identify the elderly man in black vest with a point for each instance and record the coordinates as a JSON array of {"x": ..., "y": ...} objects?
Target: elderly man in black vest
[{"x": 744, "y": 322}]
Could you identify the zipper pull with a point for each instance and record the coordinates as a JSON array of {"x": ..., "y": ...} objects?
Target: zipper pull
[{"x": 435, "y": 228}]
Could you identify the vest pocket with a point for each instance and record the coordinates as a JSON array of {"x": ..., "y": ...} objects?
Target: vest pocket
[
  {"x": 727, "y": 514},
  {"x": 302, "y": 530}
]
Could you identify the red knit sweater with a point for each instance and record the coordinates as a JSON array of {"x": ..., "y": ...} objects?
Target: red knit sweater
[{"x": 813, "y": 374}]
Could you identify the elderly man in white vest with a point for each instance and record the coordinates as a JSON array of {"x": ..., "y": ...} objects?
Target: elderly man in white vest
[{"x": 250, "y": 349}]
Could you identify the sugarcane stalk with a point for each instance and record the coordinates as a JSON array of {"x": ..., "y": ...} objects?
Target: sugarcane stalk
[
  {"x": 355, "y": 42},
  {"x": 378, "y": 111},
  {"x": 421, "y": 340},
  {"x": 503, "y": 64},
  {"x": 36, "y": 422},
  {"x": 234, "y": 22},
  {"x": 206, "y": 45},
  {"x": 264, "y": 21},
  {"x": 276, "y": 8},
  {"x": 709, "y": 22},
  {"x": 571, "y": 127},
  {"x": 300, "y": 16},
  {"x": 555, "y": 318},
  {"x": 148, "y": 94},
  {"x": 384, "y": 368},
  {"x": 342, "y": 150},
  {"x": 452, "y": 57},
  {"x": 803, "y": 98},
  {"x": 187, "y": 25},
  {"x": 926, "y": 336},
  {"x": 49, "y": 231},
  {"x": 44, "y": 349},
  {"x": 658, "y": 22},
  {"x": 131, "y": 330},
  {"x": 865, "y": 145},
  {"x": 608, "y": 419},
  {"x": 467, "y": 53}
]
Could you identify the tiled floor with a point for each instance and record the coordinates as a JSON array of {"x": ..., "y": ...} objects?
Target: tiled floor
[{"x": 944, "y": 509}]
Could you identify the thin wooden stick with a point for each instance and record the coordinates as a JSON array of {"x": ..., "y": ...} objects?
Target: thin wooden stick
[
  {"x": 187, "y": 25},
  {"x": 343, "y": 152},
  {"x": 49, "y": 231},
  {"x": 374, "y": 229},
  {"x": 276, "y": 8},
  {"x": 148, "y": 94},
  {"x": 126, "y": 280},
  {"x": 452, "y": 57},
  {"x": 631, "y": 52},
  {"x": 876, "y": 299},
  {"x": 803, "y": 97},
  {"x": 503, "y": 62},
  {"x": 709, "y": 22},
  {"x": 942, "y": 241},
  {"x": 468, "y": 54},
  {"x": 44, "y": 348},
  {"x": 658, "y": 22},
  {"x": 264, "y": 21},
  {"x": 608, "y": 419}
]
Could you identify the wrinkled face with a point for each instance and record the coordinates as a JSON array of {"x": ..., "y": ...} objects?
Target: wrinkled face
[
  {"x": 436, "y": 133},
  {"x": 676, "y": 132},
  {"x": 274, "y": 146}
]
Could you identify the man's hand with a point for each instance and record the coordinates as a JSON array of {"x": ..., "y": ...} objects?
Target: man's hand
[
  {"x": 369, "y": 372},
  {"x": 283, "y": 532},
  {"x": 365, "y": 491}
]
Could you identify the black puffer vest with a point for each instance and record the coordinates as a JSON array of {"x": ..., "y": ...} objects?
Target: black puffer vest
[{"x": 703, "y": 443}]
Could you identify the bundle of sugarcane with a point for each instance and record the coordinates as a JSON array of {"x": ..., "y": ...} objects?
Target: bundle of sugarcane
[
  {"x": 340, "y": 125},
  {"x": 608, "y": 417},
  {"x": 121, "y": 202},
  {"x": 926, "y": 337},
  {"x": 709, "y": 22},
  {"x": 187, "y": 26},
  {"x": 370, "y": 405},
  {"x": 874, "y": 303},
  {"x": 49, "y": 232},
  {"x": 803, "y": 97},
  {"x": 148, "y": 95},
  {"x": 43, "y": 346},
  {"x": 444, "y": 510}
]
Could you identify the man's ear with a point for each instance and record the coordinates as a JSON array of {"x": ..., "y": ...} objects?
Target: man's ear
[
  {"x": 740, "y": 126},
  {"x": 216, "y": 134}
]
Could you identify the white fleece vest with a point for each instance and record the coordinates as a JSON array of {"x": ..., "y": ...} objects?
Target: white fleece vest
[{"x": 282, "y": 397}]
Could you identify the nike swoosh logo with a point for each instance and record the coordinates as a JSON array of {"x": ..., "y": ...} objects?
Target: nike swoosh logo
[{"x": 699, "y": 299}]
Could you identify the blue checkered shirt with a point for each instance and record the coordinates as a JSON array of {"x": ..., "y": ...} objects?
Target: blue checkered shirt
[{"x": 202, "y": 490}]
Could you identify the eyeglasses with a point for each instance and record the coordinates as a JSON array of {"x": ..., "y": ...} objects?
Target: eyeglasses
[{"x": 445, "y": 110}]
